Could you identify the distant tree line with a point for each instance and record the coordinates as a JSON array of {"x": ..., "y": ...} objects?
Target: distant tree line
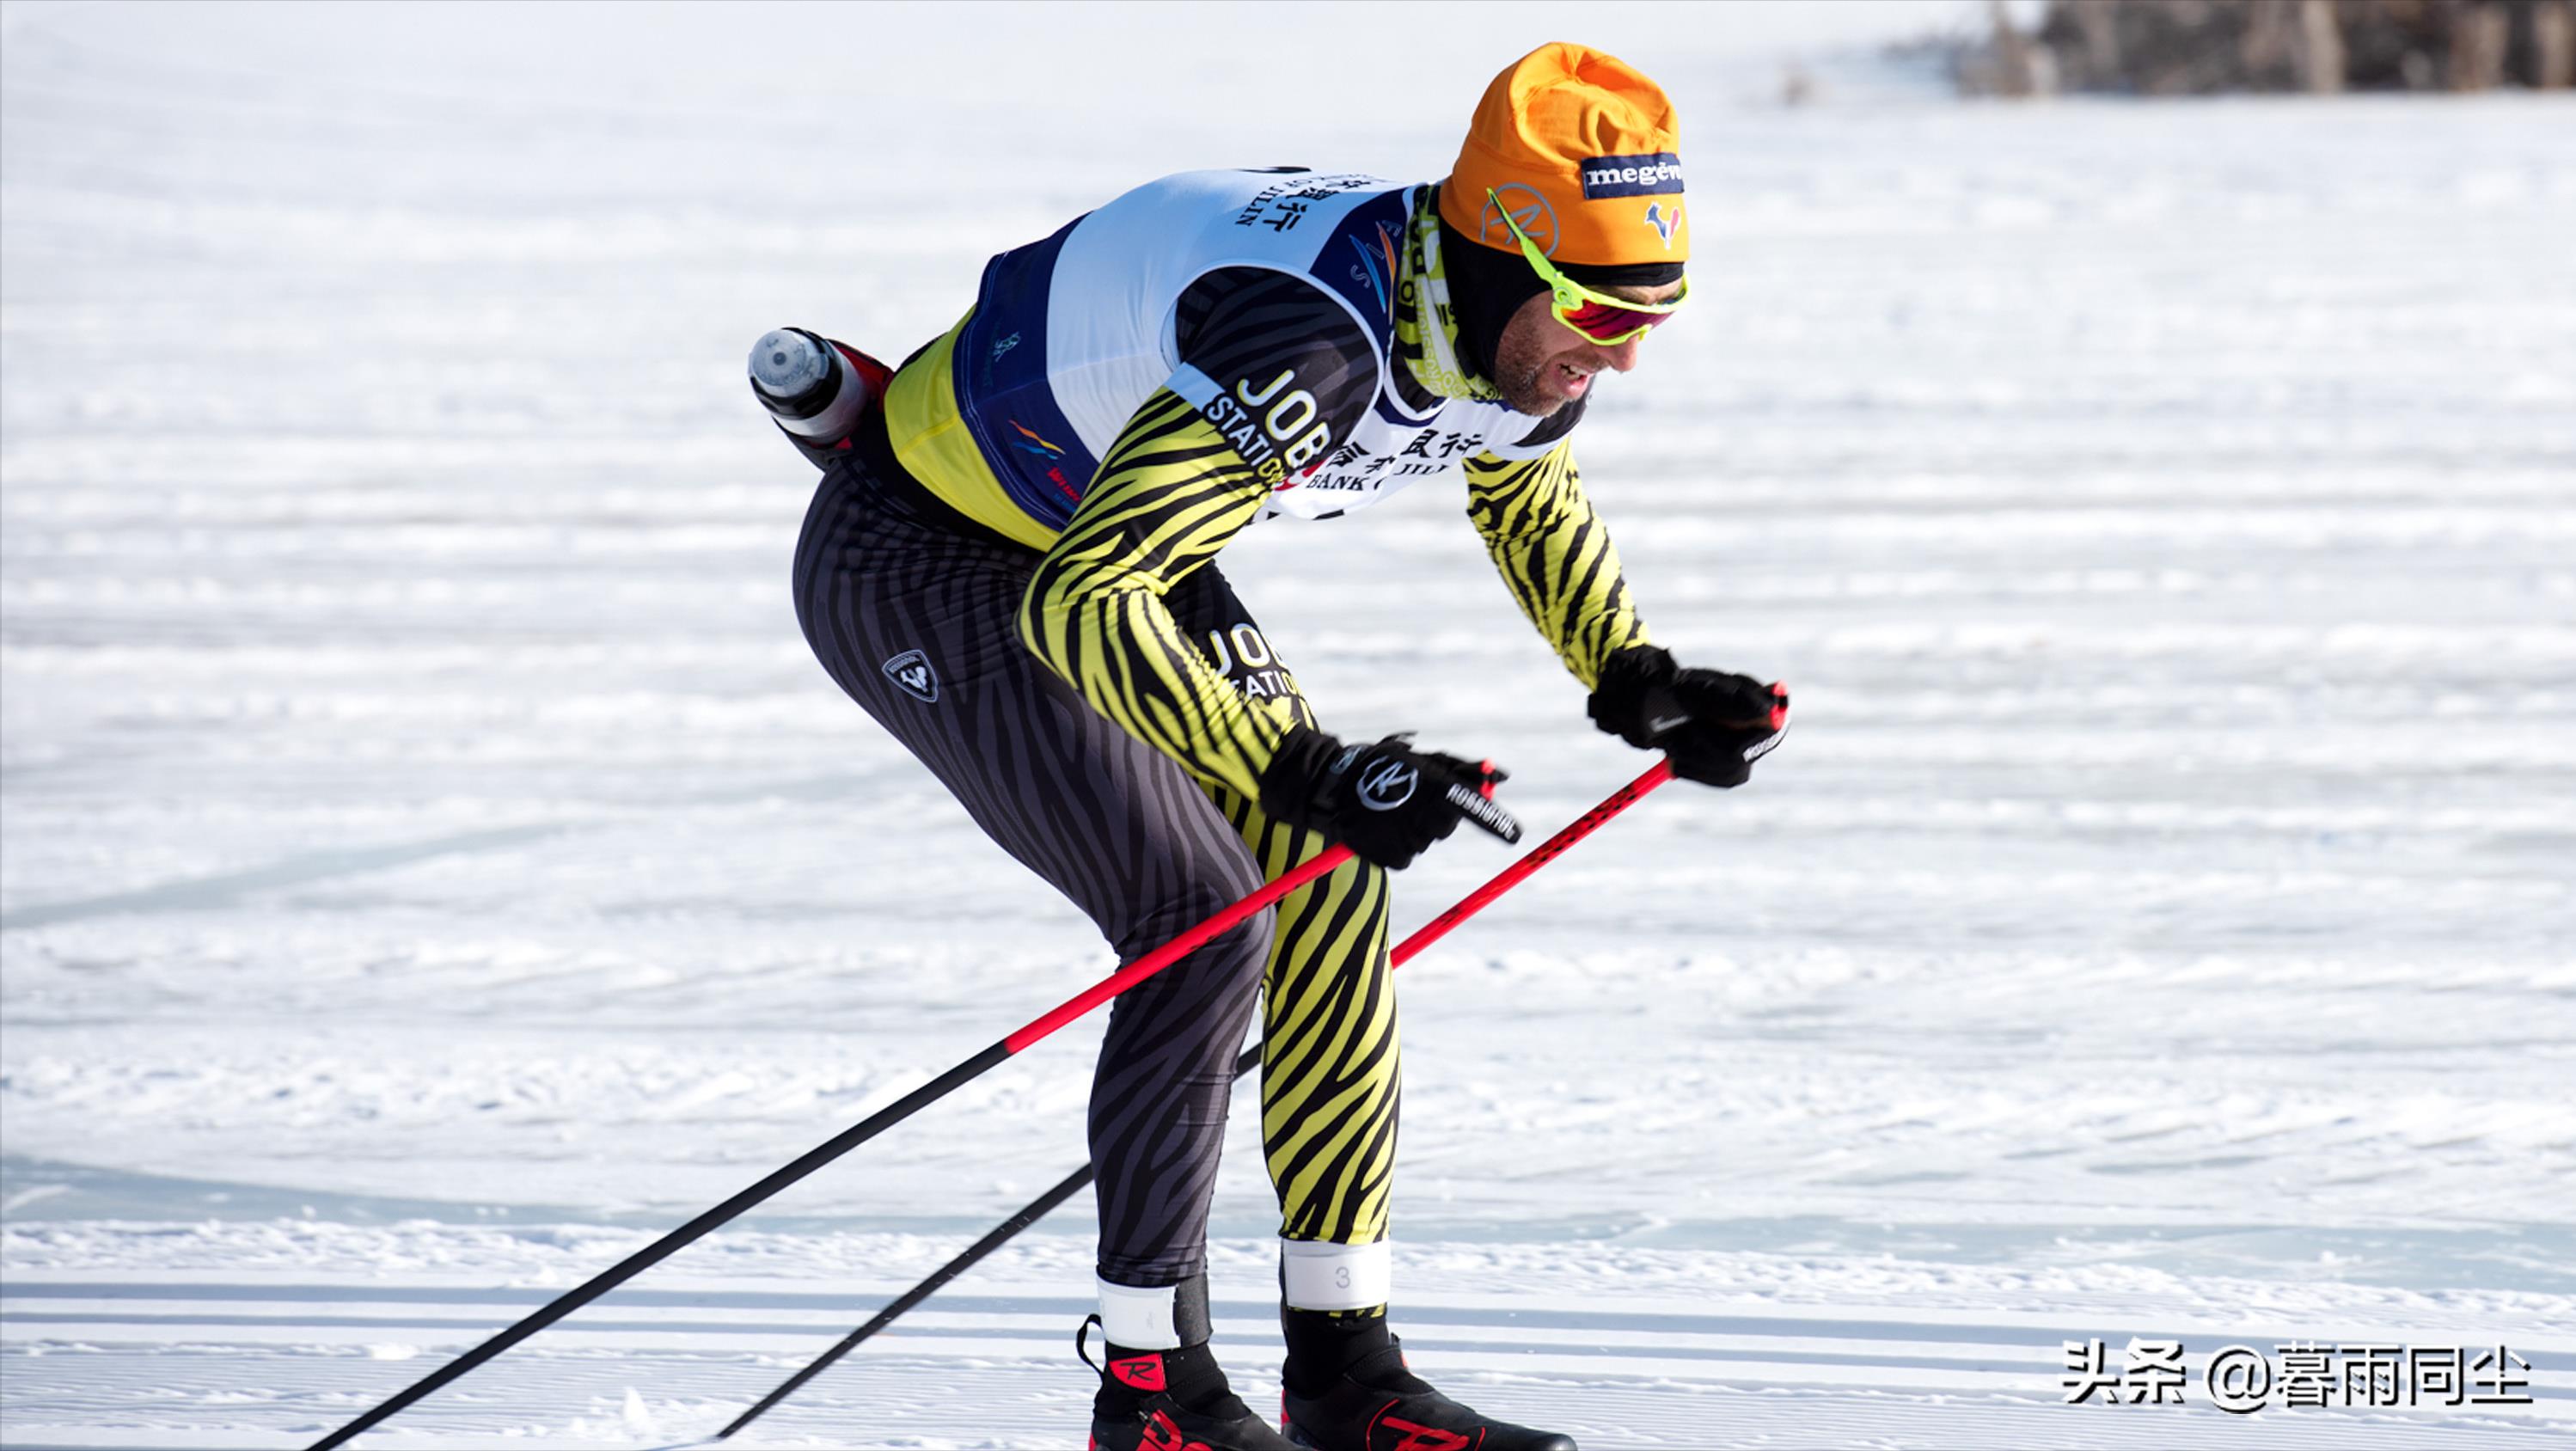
[{"x": 2212, "y": 47}]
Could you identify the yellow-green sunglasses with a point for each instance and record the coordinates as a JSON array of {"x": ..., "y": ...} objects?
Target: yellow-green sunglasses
[{"x": 1608, "y": 321}]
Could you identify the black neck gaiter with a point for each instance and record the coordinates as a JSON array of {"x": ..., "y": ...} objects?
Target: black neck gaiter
[{"x": 1486, "y": 287}]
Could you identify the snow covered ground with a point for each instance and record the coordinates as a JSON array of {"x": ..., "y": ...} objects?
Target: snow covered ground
[{"x": 432, "y": 865}]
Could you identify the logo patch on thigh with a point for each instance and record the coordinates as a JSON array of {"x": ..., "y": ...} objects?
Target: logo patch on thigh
[{"x": 912, "y": 671}]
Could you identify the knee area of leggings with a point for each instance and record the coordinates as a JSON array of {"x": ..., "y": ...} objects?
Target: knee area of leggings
[
  {"x": 1235, "y": 957},
  {"x": 1187, "y": 908}
]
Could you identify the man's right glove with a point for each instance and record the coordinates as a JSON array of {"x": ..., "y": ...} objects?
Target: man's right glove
[
  {"x": 1711, "y": 725},
  {"x": 1386, "y": 802}
]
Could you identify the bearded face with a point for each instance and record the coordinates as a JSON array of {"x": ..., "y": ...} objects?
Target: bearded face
[{"x": 1540, "y": 364}]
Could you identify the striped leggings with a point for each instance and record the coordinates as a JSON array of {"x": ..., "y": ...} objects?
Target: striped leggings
[{"x": 915, "y": 618}]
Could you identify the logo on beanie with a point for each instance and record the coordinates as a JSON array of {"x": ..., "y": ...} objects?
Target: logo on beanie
[
  {"x": 1664, "y": 222},
  {"x": 1613, "y": 176},
  {"x": 1529, "y": 211}
]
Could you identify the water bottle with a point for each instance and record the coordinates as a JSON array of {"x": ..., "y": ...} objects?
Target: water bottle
[{"x": 808, "y": 385}]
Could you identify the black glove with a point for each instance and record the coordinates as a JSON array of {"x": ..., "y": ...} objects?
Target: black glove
[
  {"x": 1711, "y": 725},
  {"x": 1387, "y": 802}
]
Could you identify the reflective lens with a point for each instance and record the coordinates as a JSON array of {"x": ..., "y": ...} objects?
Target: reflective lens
[{"x": 1609, "y": 323}]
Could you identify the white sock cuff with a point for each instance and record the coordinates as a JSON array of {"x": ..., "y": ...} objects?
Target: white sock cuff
[
  {"x": 1315, "y": 1275},
  {"x": 1137, "y": 1318}
]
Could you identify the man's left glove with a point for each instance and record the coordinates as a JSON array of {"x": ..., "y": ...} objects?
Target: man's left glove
[{"x": 1711, "y": 725}]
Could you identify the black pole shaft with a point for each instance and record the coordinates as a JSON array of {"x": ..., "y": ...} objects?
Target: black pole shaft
[
  {"x": 662, "y": 1249},
  {"x": 1035, "y": 1210},
  {"x": 967, "y": 1258}
]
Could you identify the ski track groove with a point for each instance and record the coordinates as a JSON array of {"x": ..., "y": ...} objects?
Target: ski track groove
[
  {"x": 1024, "y": 1391},
  {"x": 112, "y": 1361}
]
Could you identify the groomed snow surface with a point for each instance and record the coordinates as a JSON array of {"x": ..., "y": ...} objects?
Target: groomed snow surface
[{"x": 433, "y": 865}]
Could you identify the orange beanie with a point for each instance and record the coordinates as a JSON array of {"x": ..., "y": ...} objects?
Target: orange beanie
[{"x": 1580, "y": 146}]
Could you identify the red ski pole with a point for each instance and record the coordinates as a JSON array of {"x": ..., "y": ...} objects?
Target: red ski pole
[
  {"x": 1547, "y": 851},
  {"x": 1038, "y": 1208},
  {"x": 848, "y": 1139}
]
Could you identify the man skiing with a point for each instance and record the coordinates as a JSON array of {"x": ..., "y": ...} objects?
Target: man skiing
[{"x": 1009, "y": 565}]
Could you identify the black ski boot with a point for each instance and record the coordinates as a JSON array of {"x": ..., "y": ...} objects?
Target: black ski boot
[
  {"x": 1169, "y": 1400},
  {"x": 1349, "y": 1390}
]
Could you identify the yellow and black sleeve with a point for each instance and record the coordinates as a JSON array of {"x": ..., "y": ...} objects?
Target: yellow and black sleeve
[{"x": 1555, "y": 556}]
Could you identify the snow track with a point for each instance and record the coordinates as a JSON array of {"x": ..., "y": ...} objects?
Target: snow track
[
  {"x": 432, "y": 864},
  {"x": 157, "y": 1359}
]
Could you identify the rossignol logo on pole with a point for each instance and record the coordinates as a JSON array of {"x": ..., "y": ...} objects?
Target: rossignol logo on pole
[
  {"x": 912, "y": 671},
  {"x": 1482, "y": 809}
]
